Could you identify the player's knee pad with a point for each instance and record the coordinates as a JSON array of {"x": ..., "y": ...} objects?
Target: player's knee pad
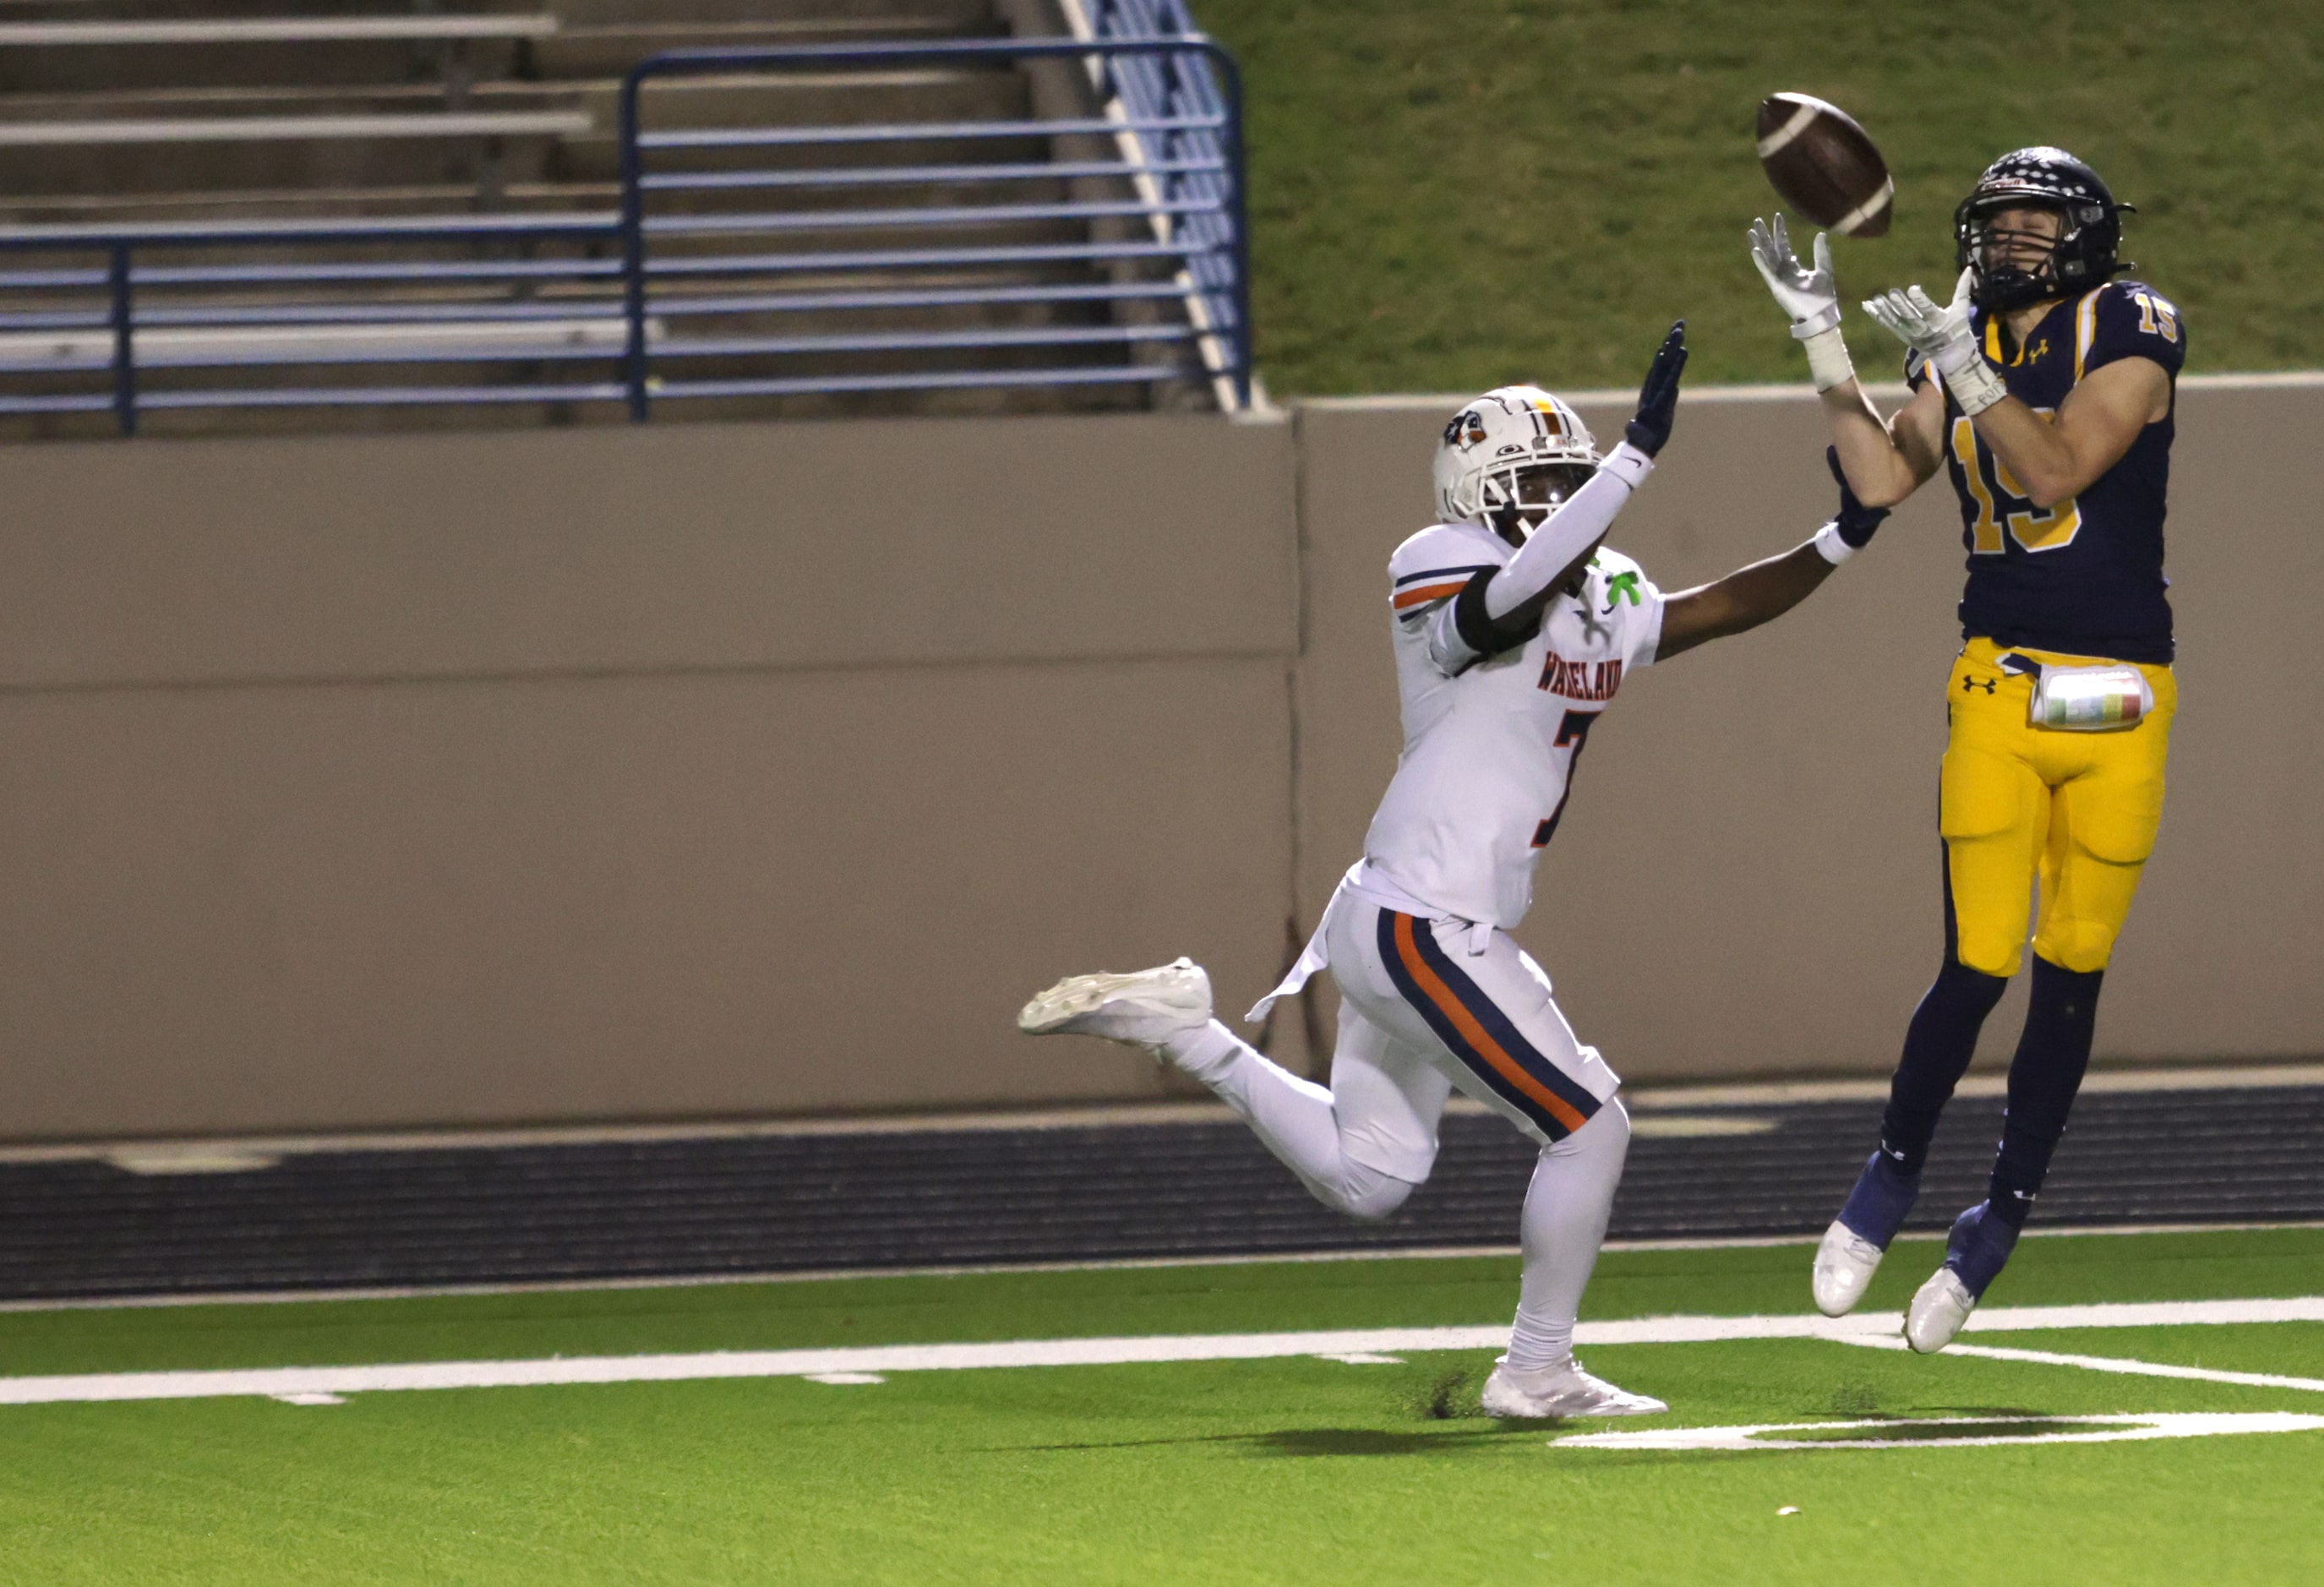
[
  {"x": 2116, "y": 824},
  {"x": 2078, "y": 943},
  {"x": 1988, "y": 926},
  {"x": 1367, "y": 1195},
  {"x": 1989, "y": 953},
  {"x": 1608, "y": 1133}
]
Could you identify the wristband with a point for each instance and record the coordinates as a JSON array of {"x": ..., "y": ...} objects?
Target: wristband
[
  {"x": 1824, "y": 319},
  {"x": 1830, "y": 546},
  {"x": 1627, "y": 464},
  {"x": 1828, "y": 360},
  {"x": 1976, "y": 385}
]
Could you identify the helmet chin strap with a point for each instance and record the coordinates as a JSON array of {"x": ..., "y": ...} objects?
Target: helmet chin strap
[
  {"x": 1508, "y": 519},
  {"x": 2010, "y": 288}
]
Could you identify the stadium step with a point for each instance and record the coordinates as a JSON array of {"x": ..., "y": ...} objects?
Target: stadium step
[{"x": 168, "y": 142}]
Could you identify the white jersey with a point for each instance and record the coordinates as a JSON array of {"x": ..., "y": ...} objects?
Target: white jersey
[{"x": 1490, "y": 741}]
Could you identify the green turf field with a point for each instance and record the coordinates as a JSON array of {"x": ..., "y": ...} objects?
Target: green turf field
[
  {"x": 1449, "y": 197},
  {"x": 1290, "y": 1468}
]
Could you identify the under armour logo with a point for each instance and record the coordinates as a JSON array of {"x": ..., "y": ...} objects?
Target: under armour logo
[
  {"x": 2034, "y": 354},
  {"x": 1983, "y": 683},
  {"x": 1617, "y": 588}
]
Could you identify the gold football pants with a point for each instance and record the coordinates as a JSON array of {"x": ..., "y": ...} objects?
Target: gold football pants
[{"x": 2075, "y": 813}]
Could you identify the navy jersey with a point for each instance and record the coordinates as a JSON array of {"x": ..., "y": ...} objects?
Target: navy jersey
[{"x": 2084, "y": 577}]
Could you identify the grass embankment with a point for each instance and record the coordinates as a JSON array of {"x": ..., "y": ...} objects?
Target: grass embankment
[{"x": 1447, "y": 197}]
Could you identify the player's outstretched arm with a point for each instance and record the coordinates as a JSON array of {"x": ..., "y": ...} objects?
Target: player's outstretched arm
[
  {"x": 1886, "y": 460},
  {"x": 2053, "y": 458},
  {"x": 1765, "y": 591},
  {"x": 1499, "y": 609}
]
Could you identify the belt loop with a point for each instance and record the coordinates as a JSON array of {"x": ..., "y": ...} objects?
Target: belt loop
[{"x": 1481, "y": 937}]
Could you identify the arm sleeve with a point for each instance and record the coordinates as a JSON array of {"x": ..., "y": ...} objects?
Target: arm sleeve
[
  {"x": 2133, "y": 321},
  {"x": 1449, "y": 649},
  {"x": 1570, "y": 531}
]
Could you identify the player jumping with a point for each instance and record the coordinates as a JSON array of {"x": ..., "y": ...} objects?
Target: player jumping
[
  {"x": 1512, "y": 631},
  {"x": 2045, "y": 390}
]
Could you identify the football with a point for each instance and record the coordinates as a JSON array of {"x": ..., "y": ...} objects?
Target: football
[{"x": 1824, "y": 165}]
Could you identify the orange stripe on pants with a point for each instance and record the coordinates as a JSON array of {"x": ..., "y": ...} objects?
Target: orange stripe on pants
[{"x": 1454, "y": 1009}]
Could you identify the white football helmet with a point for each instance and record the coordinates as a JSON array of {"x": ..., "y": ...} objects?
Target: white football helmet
[{"x": 1513, "y": 449}]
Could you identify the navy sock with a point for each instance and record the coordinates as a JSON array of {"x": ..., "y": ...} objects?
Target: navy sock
[
  {"x": 1883, "y": 1198},
  {"x": 1938, "y": 1046},
  {"x": 1979, "y": 1244},
  {"x": 2061, "y": 1018}
]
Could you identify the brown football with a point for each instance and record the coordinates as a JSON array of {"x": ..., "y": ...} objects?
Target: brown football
[{"x": 1824, "y": 165}]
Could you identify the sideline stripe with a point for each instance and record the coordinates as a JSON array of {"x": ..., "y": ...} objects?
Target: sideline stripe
[
  {"x": 2110, "y": 1363},
  {"x": 87, "y": 1388},
  {"x": 154, "y": 1154}
]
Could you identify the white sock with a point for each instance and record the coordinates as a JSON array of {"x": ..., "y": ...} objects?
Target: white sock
[
  {"x": 1294, "y": 1119},
  {"x": 1565, "y": 1211}
]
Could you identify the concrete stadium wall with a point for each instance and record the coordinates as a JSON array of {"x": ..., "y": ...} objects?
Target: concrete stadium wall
[
  {"x": 675, "y": 771},
  {"x": 740, "y": 769}
]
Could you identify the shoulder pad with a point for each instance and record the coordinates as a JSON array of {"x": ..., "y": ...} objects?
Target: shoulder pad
[
  {"x": 1443, "y": 545},
  {"x": 2129, "y": 319}
]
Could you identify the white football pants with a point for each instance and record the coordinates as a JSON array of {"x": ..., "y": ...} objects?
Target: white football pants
[{"x": 1420, "y": 1015}]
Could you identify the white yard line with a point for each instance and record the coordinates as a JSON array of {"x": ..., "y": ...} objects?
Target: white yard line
[
  {"x": 1075, "y": 1352},
  {"x": 967, "y": 1270},
  {"x": 1976, "y": 1431},
  {"x": 2110, "y": 1363}
]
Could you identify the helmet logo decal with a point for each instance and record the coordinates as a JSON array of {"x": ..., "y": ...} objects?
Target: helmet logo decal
[{"x": 1467, "y": 429}]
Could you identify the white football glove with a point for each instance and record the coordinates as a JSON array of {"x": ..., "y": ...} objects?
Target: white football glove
[
  {"x": 1945, "y": 338},
  {"x": 1808, "y": 296}
]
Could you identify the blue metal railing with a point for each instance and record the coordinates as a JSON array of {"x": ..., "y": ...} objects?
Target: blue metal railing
[
  {"x": 1176, "y": 95},
  {"x": 1183, "y": 237},
  {"x": 626, "y": 288}
]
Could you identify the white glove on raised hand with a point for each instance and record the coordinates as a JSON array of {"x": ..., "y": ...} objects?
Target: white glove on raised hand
[
  {"x": 1808, "y": 296},
  {"x": 1945, "y": 338}
]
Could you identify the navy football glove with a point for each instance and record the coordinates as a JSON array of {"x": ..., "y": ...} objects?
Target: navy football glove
[
  {"x": 1658, "y": 398},
  {"x": 1855, "y": 521}
]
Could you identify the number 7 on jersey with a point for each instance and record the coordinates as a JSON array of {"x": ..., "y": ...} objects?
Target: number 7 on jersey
[{"x": 1573, "y": 730}]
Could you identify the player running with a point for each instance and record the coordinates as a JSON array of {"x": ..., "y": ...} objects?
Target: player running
[
  {"x": 1512, "y": 633},
  {"x": 2045, "y": 390}
]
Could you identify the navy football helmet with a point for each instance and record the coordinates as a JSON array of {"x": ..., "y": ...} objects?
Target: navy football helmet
[{"x": 2089, "y": 235}]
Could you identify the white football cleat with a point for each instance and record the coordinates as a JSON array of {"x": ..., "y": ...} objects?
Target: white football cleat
[
  {"x": 1144, "y": 1007},
  {"x": 1844, "y": 1265},
  {"x": 1562, "y": 1390},
  {"x": 1939, "y": 1309}
]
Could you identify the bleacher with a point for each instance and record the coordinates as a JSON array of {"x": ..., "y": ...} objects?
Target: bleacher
[{"x": 298, "y": 214}]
